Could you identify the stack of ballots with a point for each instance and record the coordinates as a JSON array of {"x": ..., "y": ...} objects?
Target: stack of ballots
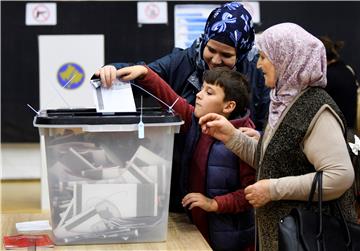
[{"x": 107, "y": 185}]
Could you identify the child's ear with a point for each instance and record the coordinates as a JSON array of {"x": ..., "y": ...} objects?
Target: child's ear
[{"x": 229, "y": 107}]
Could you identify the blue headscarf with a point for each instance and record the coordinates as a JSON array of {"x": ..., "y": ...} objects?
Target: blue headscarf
[{"x": 230, "y": 24}]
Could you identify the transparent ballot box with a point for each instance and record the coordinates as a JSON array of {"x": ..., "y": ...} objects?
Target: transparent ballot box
[{"x": 108, "y": 182}]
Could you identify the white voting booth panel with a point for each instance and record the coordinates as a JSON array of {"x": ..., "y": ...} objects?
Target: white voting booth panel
[
  {"x": 68, "y": 60},
  {"x": 66, "y": 64}
]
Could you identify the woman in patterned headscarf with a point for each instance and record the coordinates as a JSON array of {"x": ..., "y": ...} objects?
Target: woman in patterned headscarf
[
  {"x": 304, "y": 134},
  {"x": 229, "y": 25}
]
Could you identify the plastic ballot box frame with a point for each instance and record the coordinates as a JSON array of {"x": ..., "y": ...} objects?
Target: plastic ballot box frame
[{"x": 106, "y": 183}]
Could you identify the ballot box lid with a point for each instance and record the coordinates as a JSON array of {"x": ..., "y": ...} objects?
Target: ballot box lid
[{"x": 89, "y": 116}]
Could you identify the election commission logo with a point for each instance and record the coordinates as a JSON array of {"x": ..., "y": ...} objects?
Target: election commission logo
[{"x": 70, "y": 76}]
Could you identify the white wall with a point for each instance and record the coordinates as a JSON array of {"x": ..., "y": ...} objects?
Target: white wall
[
  {"x": 23, "y": 161},
  {"x": 20, "y": 161}
]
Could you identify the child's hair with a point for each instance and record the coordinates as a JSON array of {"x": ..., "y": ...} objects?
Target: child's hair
[{"x": 235, "y": 86}]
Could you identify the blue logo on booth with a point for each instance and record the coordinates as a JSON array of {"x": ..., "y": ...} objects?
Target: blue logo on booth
[{"x": 70, "y": 75}]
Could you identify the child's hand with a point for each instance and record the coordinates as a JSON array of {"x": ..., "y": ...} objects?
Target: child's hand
[
  {"x": 132, "y": 72},
  {"x": 192, "y": 200}
]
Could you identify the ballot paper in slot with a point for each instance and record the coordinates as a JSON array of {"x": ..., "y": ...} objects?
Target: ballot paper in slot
[{"x": 118, "y": 98}]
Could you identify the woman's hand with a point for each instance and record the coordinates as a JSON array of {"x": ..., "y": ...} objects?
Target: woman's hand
[
  {"x": 250, "y": 132},
  {"x": 258, "y": 194},
  {"x": 192, "y": 200},
  {"x": 217, "y": 126},
  {"x": 109, "y": 73}
]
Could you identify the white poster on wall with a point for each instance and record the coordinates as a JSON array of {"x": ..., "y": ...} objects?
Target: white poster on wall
[
  {"x": 66, "y": 64},
  {"x": 152, "y": 12},
  {"x": 41, "y": 14},
  {"x": 189, "y": 22},
  {"x": 254, "y": 9}
]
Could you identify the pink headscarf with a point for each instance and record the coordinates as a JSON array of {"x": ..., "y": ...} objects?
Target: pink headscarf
[{"x": 299, "y": 59}]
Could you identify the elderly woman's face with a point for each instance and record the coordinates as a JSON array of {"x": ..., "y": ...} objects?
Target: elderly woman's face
[
  {"x": 268, "y": 69},
  {"x": 219, "y": 54}
]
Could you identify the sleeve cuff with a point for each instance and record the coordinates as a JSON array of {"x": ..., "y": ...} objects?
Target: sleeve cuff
[
  {"x": 220, "y": 204},
  {"x": 274, "y": 195},
  {"x": 231, "y": 144}
]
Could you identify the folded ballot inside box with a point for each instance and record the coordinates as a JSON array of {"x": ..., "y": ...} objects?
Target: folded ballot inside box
[
  {"x": 107, "y": 185},
  {"x": 119, "y": 200},
  {"x": 97, "y": 206},
  {"x": 100, "y": 208}
]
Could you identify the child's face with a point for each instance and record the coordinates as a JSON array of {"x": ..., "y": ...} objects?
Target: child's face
[{"x": 209, "y": 99}]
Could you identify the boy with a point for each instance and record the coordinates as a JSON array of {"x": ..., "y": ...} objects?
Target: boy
[{"x": 213, "y": 178}]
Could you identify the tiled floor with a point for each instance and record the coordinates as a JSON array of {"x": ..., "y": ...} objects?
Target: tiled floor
[{"x": 22, "y": 196}]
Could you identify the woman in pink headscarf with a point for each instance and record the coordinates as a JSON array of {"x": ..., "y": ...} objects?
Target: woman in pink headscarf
[{"x": 304, "y": 133}]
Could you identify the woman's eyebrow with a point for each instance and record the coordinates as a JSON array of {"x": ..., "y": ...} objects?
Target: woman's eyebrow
[{"x": 211, "y": 48}]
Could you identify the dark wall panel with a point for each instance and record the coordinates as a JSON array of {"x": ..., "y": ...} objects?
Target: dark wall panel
[
  {"x": 338, "y": 19},
  {"x": 125, "y": 41}
]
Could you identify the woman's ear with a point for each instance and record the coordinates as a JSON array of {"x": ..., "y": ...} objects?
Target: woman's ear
[{"x": 229, "y": 107}]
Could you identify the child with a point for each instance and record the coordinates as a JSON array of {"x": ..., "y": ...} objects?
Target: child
[{"x": 213, "y": 178}]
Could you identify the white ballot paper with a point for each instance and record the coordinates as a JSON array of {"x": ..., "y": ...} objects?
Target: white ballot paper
[{"x": 118, "y": 98}]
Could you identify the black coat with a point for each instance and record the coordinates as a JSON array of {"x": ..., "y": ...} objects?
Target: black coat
[{"x": 342, "y": 88}]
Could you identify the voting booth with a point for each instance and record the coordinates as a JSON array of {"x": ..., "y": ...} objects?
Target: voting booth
[{"x": 108, "y": 183}]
